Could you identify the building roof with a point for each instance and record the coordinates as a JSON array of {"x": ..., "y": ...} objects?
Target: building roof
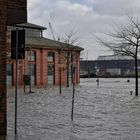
[
  {"x": 41, "y": 42},
  {"x": 30, "y": 25},
  {"x": 48, "y": 43}
]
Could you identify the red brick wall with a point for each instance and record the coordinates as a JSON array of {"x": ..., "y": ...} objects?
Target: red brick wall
[
  {"x": 78, "y": 67},
  {"x": 45, "y": 67},
  {"x": 63, "y": 68},
  {"x": 3, "y": 120},
  {"x": 22, "y": 66},
  {"x": 56, "y": 68},
  {"x": 6, "y": 5},
  {"x": 38, "y": 56},
  {"x": 42, "y": 67}
]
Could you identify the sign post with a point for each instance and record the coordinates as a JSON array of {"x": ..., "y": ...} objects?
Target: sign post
[
  {"x": 17, "y": 52},
  {"x": 16, "y": 82},
  {"x": 11, "y": 12}
]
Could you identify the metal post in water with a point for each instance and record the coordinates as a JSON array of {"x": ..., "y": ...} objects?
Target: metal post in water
[
  {"x": 24, "y": 72},
  {"x": 88, "y": 72},
  {"x": 73, "y": 93},
  {"x": 97, "y": 81},
  {"x": 30, "y": 87},
  {"x": 16, "y": 82},
  {"x": 60, "y": 72},
  {"x": 60, "y": 91}
]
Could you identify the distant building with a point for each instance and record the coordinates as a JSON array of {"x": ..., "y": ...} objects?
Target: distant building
[
  {"x": 114, "y": 57},
  {"x": 42, "y": 58},
  {"x": 109, "y": 66}
]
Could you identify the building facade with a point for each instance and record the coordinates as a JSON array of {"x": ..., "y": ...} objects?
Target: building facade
[
  {"x": 8, "y": 10},
  {"x": 108, "y": 68},
  {"x": 43, "y": 59}
]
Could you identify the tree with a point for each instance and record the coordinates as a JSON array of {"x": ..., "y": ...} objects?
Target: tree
[
  {"x": 125, "y": 40},
  {"x": 69, "y": 45}
]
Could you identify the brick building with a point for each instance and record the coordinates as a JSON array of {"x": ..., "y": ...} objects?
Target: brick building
[
  {"x": 43, "y": 58},
  {"x": 43, "y": 71},
  {"x": 10, "y": 12}
]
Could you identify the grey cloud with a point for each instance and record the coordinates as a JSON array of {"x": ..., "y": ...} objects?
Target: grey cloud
[
  {"x": 97, "y": 17},
  {"x": 114, "y": 7}
]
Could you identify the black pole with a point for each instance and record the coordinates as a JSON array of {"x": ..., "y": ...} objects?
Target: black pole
[
  {"x": 136, "y": 76},
  {"x": 88, "y": 72},
  {"x": 60, "y": 87},
  {"x": 97, "y": 81},
  {"x": 16, "y": 82},
  {"x": 60, "y": 70},
  {"x": 24, "y": 72},
  {"x": 68, "y": 63},
  {"x": 24, "y": 87},
  {"x": 73, "y": 94},
  {"x": 30, "y": 87}
]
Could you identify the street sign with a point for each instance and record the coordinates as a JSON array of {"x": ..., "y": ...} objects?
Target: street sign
[{"x": 18, "y": 38}]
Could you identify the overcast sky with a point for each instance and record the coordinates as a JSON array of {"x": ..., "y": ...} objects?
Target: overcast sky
[{"x": 89, "y": 18}]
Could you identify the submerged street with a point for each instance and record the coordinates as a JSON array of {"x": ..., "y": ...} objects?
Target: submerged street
[{"x": 104, "y": 112}]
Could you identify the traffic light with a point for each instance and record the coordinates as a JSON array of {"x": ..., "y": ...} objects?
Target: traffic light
[{"x": 18, "y": 38}]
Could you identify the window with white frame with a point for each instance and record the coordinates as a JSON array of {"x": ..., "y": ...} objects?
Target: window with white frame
[
  {"x": 50, "y": 56},
  {"x": 31, "y": 55}
]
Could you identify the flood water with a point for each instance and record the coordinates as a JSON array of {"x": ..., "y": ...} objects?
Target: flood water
[{"x": 104, "y": 112}]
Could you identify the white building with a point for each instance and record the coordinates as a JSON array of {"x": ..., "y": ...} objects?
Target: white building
[{"x": 114, "y": 57}]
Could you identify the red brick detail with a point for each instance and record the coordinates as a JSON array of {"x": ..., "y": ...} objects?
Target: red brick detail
[
  {"x": 78, "y": 68},
  {"x": 56, "y": 68},
  {"x": 63, "y": 68},
  {"x": 38, "y": 69},
  {"x": 44, "y": 67},
  {"x": 19, "y": 73}
]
